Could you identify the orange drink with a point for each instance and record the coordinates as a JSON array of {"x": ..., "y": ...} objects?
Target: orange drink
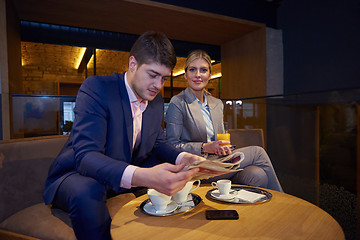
[{"x": 224, "y": 136}]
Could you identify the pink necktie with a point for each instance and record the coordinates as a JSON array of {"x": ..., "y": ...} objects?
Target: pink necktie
[{"x": 136, "y": 123}]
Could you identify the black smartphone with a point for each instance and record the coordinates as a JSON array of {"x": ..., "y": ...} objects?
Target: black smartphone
[{"x": 221, "y": 214}]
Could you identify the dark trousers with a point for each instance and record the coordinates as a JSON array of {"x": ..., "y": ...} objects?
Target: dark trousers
[{"x": 85, "y": 200}]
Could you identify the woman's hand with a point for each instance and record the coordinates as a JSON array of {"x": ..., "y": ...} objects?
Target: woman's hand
[
  {"x": 189, "y": 158},
  {"x": 215, "y": 147}
]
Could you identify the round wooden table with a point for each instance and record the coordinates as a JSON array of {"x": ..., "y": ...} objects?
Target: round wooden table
[{"x": 283, "y": 217}]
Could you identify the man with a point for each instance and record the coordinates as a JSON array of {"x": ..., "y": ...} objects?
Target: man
[{"x": 117, "y": 141}]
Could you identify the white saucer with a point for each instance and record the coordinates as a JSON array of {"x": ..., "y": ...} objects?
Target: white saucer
[
  {"x": 171, "y": 207},
  {"x": 216, "y": 194}
]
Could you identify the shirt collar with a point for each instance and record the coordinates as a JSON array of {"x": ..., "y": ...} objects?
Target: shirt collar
[
  {"x": 132, "y": 97},
  {"x": 205, "y": 103}
]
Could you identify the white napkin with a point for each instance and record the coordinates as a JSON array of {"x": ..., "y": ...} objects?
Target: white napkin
[{"x": 249, "y": 196}]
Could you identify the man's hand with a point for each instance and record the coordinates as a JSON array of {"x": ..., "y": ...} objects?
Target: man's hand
[{"x": 165, "y": 178}]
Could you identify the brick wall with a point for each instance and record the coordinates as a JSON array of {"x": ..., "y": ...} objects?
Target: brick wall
[
  {"x": 45, "y": 66},
  {"x": 44, "y": 80}
]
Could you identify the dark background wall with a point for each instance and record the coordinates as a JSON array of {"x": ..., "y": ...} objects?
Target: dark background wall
[
  {"x": 255, "y": 10},
  {"x": 1, "y": 133},
  {"x": 321, "y": 44},
  {"x": 321, "y": 38}
]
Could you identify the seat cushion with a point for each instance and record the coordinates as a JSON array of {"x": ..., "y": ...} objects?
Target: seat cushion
[{"x": 39, "y": 222}]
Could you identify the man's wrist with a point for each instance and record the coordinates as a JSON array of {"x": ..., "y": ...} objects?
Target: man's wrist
[{"x": 126, "y": 179}]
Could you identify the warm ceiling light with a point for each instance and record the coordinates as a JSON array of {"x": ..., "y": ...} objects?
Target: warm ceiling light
[
  {"x": 216, "y": 75},
  {"x": 88, "y": 54},
  {"x": 91, "y": 61},
  {"x": 79, "y": 57},
  {"x": 178, "y": 73}
]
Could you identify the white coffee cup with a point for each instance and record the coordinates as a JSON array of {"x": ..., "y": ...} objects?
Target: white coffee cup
[
  {"x": 183, "y": 194},
  {"x": 223, "y": 185},
  {"x": 158, "y": 199}
]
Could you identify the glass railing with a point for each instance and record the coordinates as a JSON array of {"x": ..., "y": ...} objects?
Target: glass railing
[
  {"x": 313, "y": 140},
  {"x": 305, "y": 131},
  {"x": 41, "y": 115}
]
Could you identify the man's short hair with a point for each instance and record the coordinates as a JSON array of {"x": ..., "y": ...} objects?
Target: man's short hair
[{"x": 154, "y": 47}]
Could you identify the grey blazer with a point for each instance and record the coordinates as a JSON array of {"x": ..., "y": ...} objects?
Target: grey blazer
[{"x": 185, "y": 125}]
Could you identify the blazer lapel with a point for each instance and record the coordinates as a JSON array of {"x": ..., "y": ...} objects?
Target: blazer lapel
[
  {"x": 197, "y": 116},
  {"x": 127, "y": 111},
  {"x": 151, "y": 119},
  {"x": 146, "y": 129},
  {"x": 215, "y": 116}
]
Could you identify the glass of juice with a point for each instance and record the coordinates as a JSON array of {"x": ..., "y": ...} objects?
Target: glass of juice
[{"x": 224, "y": 136}]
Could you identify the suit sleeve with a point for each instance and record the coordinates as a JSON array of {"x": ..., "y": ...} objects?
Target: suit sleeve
[{"x": 90, "y": 136}]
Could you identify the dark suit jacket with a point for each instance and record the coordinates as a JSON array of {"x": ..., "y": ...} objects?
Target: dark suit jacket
[{"x": 100, "y": 145}]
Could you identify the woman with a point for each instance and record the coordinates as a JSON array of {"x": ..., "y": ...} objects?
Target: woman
[{"x": 194, "y": 118}]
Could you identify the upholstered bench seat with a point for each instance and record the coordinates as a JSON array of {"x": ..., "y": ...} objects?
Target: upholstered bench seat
[
  {"x": 43, "y": 222},
  {"x": 24, "y": 164}
]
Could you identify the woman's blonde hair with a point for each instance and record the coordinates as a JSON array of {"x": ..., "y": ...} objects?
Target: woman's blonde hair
[{"x": 193, "y": 55}]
